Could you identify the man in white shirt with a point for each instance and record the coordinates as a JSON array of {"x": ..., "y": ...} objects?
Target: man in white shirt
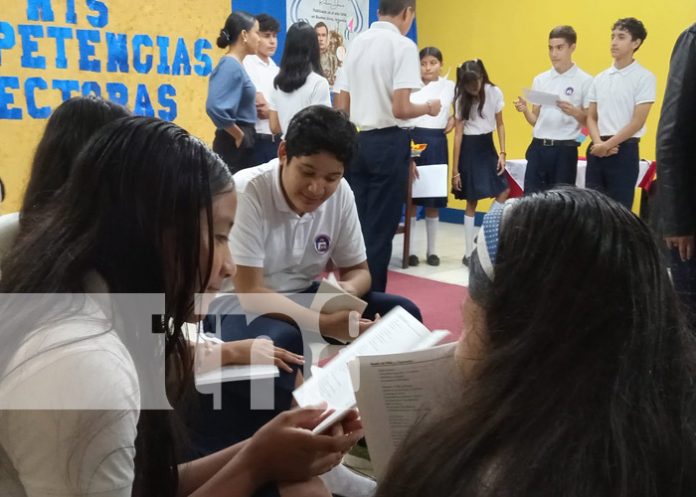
[
  {"x": 378, "y": 105},
  {"x": 552, "y": 157},
  {"x": 262, "y": 70},
  {"x": 620, "y": 99}
]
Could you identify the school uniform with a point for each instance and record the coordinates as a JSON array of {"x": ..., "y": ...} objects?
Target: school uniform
[
  {"x": 431, "y": 131},
  {"x": 478, "y": 159},
  {"x": 379, "y": 173},
  {"x": 232, "y": 100},
  {"x": 262, "y": 75},
  {"x": 314, "y": 91},
  {"x": 552, "y": 156},
  {"x": 293, "y": 251},
  {"x": 616, "y": 93}
]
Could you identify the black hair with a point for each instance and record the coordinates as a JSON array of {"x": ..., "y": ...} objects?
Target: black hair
[
  {"x": 234, "y": 25},
  {"x": 634, "y": 27},
  {"x": 3, "y": 193},
  {"x": 68, "y": 129},
  {"x": 301, "y": 57},
  {"x": 585, "y": 384},
  {"x": 565, "y": 32},
  {"x": 319, "y": 128},
  {"x": 470, "y": 72},
  {"x": 268, "y": 23},
  {"x": 394, "y": 7},
  {"x": 432, "y": 52},
  {"x": 131, "y": 210}
]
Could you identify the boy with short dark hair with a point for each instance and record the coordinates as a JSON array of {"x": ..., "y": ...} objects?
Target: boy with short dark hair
[
  {"x": 262, "y": 70},
  {"x": 552, "y": 157},
  {"x": 619, "y": 102},
  {"x": 378, "y": 106}
]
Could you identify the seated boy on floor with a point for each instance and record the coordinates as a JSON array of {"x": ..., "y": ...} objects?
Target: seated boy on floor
[
  {"x": 296, "y": 213},
  {"x": 293, "y": 215}
]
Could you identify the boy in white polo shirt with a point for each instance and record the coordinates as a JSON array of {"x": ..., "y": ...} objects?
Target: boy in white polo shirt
[
  {"x": 294, "y": 214},
  {"x": 552, "y": 157},
  {"x": 262, "y": 70},
  {"x": 619, "y": 102},
  {"x": 378, "y": 104}
]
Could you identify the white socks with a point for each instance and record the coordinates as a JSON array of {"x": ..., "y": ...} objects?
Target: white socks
[
  {"x": 411, "y": 235},
  {"x": 469, "y": 233},
  {"x": 431, "y": 230}
]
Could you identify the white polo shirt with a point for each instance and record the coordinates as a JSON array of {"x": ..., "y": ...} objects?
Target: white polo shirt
[
  {"x": 380, "y": 61},
  {"x": 617, "y": 92},
  {"x": 292, "y": 250},
  {"x": 262, "y": 75},
  {"x": 477, "y": 125},
  {"x": 442, "y": 89},
  {"x": 571, "y": 86},
  {"x": 314, "y": 91}
]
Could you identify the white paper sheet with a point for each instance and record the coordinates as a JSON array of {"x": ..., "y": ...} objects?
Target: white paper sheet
[
  {"x": 537, "y": 97},
  {"x": 432, "y": 181}
]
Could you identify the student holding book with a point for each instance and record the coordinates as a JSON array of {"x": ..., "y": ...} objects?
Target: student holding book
[
  {"x": 100, "y": 423},
  {"x": 566, "y": 390}
]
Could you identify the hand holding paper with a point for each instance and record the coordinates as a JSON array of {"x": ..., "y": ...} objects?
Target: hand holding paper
[{"x": 537, "y": 97}]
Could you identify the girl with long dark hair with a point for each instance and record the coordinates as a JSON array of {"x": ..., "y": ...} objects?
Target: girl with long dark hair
[
  {"x": 231, "y": 102},
  {"x": 300, "y": 82},
  {"x": 577, "y": 369},
  {"x": 478, "y": 105},
  {"x": 84, "y": 405}
]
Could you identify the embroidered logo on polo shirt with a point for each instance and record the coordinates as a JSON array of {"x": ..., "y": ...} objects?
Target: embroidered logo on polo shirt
[
  {"x": 569, "y": 91},
  {"x": 322, "y": 243}
]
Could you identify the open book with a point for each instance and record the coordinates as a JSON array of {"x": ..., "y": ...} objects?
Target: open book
[
  {"x": 396, "y": 391},
  {"x": 395, "y": 333},
  {"x": 330, "y": 298}
]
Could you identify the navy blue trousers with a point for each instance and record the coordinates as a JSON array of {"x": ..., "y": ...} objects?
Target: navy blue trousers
[
  {"x": 615, "y": 175},
  {"x": 549, "y": 166},
  {"x": 265, "y": 148},
  {"x": 378, "y": 177},
  {"x": 211, "y": 430}
]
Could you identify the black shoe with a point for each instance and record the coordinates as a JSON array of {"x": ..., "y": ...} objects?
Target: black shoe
[
  {"x": 465, "y": 261},
  {"x": 433, "y": 260},
  {"x": 413, "y": 260}
]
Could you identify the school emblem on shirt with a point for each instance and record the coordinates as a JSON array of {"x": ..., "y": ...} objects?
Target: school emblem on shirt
[
  {"x": 322, "y": 243},
  {"x": 569, "y": 91}
]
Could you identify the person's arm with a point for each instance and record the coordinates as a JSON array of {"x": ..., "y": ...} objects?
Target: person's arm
[
  {"x": 224, "y": 96},
  {"x": 578, "y": 113},
  {"x": 257, "y": 298},
  {"x": 531, "y": 115},
  {"x": 403, "y": 108},
  {"x": 458, "y": 131},
  {"x": 342, "y": 102},
  {"x": 592, "y": 123},
  {"x": 676, "y": 148},
  {"x": 450, "y": 125},
  {"x": 500, "y": 128},
  {"x": 274, "y": 122},
  {"x": 640, "y": 115},
  {"x": 261, "y": 106},
  {"x": 356, "y": 279},
  {"x": 212, "y": 355}
]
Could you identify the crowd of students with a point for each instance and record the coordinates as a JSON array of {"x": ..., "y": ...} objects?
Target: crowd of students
[{"x": 575, "y": 366}]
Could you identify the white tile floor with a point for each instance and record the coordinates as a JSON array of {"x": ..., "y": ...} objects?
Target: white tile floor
[{"x": 450, "y": 249}]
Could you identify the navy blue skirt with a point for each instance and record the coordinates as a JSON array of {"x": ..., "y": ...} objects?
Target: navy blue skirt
[
  {"x": 436, "y": 153},
  {"x": 478, "y": 162}
]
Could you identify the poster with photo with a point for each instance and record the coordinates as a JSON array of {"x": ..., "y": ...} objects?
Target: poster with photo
[{"x": 336, "y": 22}]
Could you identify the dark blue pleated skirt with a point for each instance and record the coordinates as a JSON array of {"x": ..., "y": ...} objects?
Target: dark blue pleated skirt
[
  {"x": 436, "y": 153},
  {"x": 478, "y": 161}
]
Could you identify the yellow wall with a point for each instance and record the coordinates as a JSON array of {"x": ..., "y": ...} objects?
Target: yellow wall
[
  {"x": 190, "y": 20},
  {"x": 510, "y": 36}
]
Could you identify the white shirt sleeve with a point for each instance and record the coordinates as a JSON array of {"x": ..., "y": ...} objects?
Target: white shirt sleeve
[
  {"x": 536, "y": 84},
  {"x": 407, "y": 68},
  {"x": 248, "y": 233},
  {"x": 340, "y": 83},
  {"x": 271, "y": 99},
  {"x": 321, "y": 95},
  {"x": 350, "y": 245},
  {"x": 592, "y": 94},
  {"x": 645, "y": 89},
  {"x": 585, "y": 88},
  {"x": 500, "y": 102}
]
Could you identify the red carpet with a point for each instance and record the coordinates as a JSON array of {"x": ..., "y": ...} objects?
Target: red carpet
[{"x": 439, "y": 302}]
